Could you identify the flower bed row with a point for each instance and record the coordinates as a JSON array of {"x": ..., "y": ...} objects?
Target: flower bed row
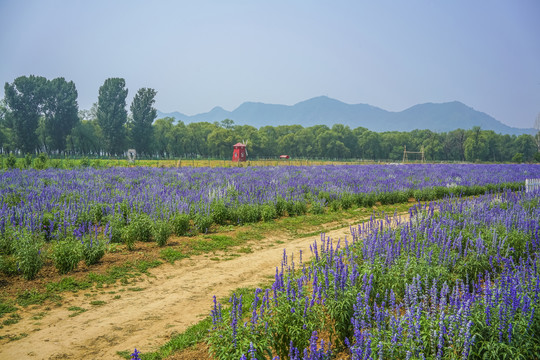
[
  {"x": 80, "y": 210},
  {"x": 459, "y": 280}
]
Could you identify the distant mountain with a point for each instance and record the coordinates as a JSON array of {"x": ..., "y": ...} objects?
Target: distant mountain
[{"x": 323, "y": 110}]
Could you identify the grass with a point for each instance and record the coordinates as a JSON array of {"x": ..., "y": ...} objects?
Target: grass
[
  {"x": 13, "y": 319},
  {"x": 6, "y": 308},
  {"x": 97, "y": 302},
  {"x": 76, "y": 310},
  {"x": 34, "y": 297},
  {"x": 171, "y": 255}
]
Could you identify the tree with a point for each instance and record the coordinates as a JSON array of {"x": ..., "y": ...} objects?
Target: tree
[
  {"x": 85, "y": 138},
  {"x": 24, "y": 99},
  {"x": 369, "y": 144},
  {"x": 526, "y": 146},
  {"x": 163, "y": 139},
  {"x": 144, "y": 115},
  {"x": 475, "y": 145},
  {"x": 220, "y": 142},
  {"x": 112, "y": 114},
  {"x": 61, "y": 112}
]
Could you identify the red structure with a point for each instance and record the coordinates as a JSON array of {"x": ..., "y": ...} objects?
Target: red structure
[{"x": 239, "y": 153}]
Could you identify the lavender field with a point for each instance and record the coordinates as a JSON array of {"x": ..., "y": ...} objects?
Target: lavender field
[
  {"x": 82, "y": 210},
  {"x": 459, "y": 280},
  {"x": 76, "y": 197}
]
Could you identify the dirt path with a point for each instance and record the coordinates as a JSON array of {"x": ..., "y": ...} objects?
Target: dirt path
[{"x": 146, "y": 314}]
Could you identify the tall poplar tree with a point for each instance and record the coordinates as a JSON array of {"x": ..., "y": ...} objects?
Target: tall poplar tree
[
  {"x": 61, "y": 112},
  {"x": 24, "y": 99},
  {"x": 143, "y": 114},
  {"x": 112, "y": 114}
]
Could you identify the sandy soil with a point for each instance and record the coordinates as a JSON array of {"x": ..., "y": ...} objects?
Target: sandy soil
[{"x": 147, "y": 312}]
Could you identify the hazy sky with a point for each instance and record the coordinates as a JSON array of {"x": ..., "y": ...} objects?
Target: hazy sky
[{"x": 201, "y": 54}]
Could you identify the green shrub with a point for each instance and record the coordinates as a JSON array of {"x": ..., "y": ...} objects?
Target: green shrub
[
  {"x": 97, "y": 164},
  {"x": 56, "y": 163},
  {"x": 41, "y": 161},
  {"x": 203, "y": 222},
  {"x": 116, "y": 228},
  {"x": 334, "y": 205},
  {"x": 347, "y": 201},
  {"x": 84, "y": 162},
  {"x": 280, "y": 205},
  {"x": 219, "y": 212},
  {"x": 7, "y": 245},
  {"x": 48, "y": 225},
  {"x": 11, "y": 161},
  {"x": 93, "y": 251},
  {"x": 66, "y": 255},
  {"x": 96, "y": 212},
  {"x": 128, "y": 237},
  {"x": 162, "y": 231},
  {"x": 299, "y": 208},
  {"x": 317, "y": 207},
  {"x": 141, "y": 225},
  {"x": 28, "y": 161},
  {"x": 180, "y": 224},
  {"x": 248, "y": 213},
  {"x": 268, "y": 212},
  {"x": 138, "y": 229},
  {"x": 28, "y": 254},
  {"x": 8, "y": 265}
]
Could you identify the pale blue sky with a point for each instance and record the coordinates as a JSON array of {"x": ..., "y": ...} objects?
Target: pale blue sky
[{"x": 201, "y": 54}]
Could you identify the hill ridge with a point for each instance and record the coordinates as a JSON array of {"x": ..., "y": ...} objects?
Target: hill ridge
[{"x": 323, "y": 110}]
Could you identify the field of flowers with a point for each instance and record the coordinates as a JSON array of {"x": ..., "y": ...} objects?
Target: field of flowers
[
  {"x": 459, "y": 280},
  {"x": 80, "y": 210}
]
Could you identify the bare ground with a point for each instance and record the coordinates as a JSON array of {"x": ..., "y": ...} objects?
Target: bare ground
[{"x": 145, "y": 313}]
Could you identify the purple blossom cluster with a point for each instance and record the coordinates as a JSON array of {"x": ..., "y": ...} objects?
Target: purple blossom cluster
[
  {"x": 62, "y": 199},
  {"x": 458, "y": 280}
]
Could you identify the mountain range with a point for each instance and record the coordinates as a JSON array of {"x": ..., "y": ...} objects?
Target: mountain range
[{"x": 322, "y": 110}]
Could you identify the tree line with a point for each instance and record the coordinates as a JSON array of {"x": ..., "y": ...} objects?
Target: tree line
[{"x": 41, "y": 115}]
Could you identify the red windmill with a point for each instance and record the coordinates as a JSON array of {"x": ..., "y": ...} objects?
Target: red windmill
[{"x": 239, "y": 153}]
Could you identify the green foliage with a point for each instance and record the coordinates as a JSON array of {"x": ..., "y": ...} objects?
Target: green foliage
[
  {"x": 27, "y": 161},
  {"x": 288, "y": 324},
  {"x": 11, "y": 161},
  {"x": 517, "y": 158},
  {"x": 25, "y": 98},
  {"x": 68, "y": 284},
  {"x": 171, "y": 255},
  {"x": 28, "y": 254},
  {"x": 138, "y": 229},
  {"x": 66, "y": 255},
  {"x": 248, "y": 213},
  {"x": 347, "y": 201},
  {"x": 116, "y": 225},
  {"x": 220, "y": 213},
  {"x": 268, "y": 212},
  {"x": 299, "y": 208},
  {"x": 93, "y": 251},
  {"x": 48, "y": 225},
  {"x": 41, "y": 161},
  {"x": 84, "y": 162},
  {"x": 96, "y": 213},
  {"x": 162, "y": 231},
  {"x": 281, "y": 206},
  {"x": 7, "y": 245},
  {"x": 203, "y": 222},
  {"x": 317, "y": 208},
  {"x": 8, "y": 265},
  {"x": 180, "y": 224},
  {"x": 112, "y": 114},
  {"x": 144, "y": 115}
]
